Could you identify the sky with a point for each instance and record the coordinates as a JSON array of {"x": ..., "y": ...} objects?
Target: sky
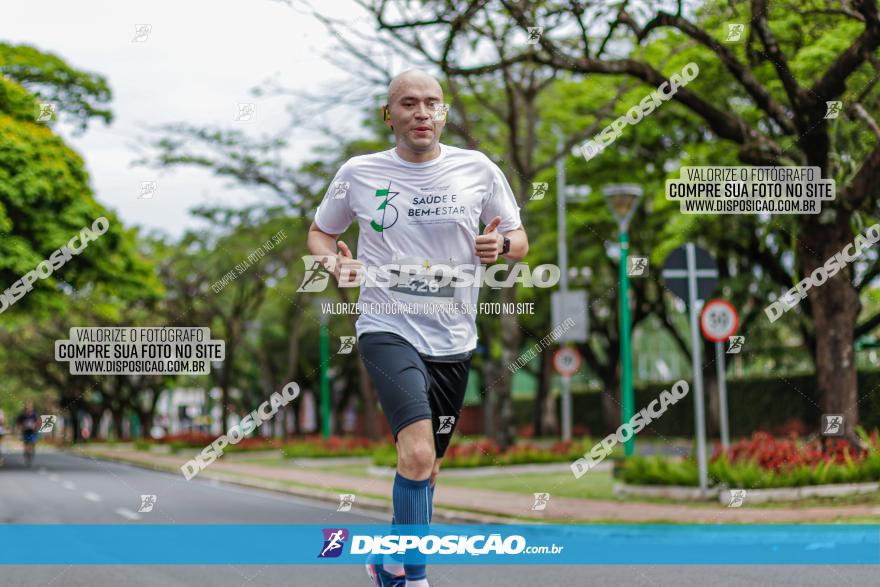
[{"x": 199, "y": 59}]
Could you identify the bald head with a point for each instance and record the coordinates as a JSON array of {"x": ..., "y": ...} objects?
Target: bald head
[
  {"x": 416, "y": 79},
  {"x": 415, "y": 113}
]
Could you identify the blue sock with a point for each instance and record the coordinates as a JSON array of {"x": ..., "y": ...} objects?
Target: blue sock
[
  {"x": 431, "y": 504},
  {"x": 412, "y": 507}
]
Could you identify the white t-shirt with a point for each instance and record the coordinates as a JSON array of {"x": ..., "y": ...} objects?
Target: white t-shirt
[{"x": 417, "y": 213}]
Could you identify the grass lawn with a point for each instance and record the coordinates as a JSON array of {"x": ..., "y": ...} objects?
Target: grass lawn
[{"x": 594, "y": 485}]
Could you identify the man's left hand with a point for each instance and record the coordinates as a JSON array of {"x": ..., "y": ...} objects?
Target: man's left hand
[{"x": 490, "y": 243}]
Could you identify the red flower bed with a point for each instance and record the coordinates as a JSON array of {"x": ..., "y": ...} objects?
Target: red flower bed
[
  {"x": 778, "y": 453},
  {"x": 193, "y": 438}
]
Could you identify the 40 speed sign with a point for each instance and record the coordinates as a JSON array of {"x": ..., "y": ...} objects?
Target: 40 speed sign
[{"x": 719, "y": 320}]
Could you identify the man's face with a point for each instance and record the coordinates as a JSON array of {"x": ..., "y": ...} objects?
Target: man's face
[{"x": 412, "y": 109}]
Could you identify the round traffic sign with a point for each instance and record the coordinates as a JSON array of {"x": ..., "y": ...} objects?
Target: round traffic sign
[
  {"x": 567, "y": 361},
  {"x": 719, "y": 320}
]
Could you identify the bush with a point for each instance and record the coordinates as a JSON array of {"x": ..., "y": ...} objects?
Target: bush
[
  {"x": 766, "y": 462},
  {"x": 177, "y": 446},
  {"x": 775, "y": 404},
  {"x": 485, "y": 453},
  {"x": 141, "y": 444},
  {"x": 335, "y": 446}
]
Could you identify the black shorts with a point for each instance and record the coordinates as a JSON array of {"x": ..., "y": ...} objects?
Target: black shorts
[{"x": 414, "y": 387}]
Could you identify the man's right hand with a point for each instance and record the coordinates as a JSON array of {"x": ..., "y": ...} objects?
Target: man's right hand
[{"x": 347, "y": 270}]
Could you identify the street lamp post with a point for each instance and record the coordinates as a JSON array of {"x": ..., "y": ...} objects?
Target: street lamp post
[
  {"x": 325, "y": 363},
  {"x": 623, "y": 199}
]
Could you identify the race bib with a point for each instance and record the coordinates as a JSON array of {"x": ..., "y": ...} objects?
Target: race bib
[{"x": 425, "y": 280}]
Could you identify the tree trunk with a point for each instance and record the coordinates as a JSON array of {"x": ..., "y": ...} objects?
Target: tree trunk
[
  {"x": 73, "y": 415},
  {"x": 505, "y": 429},
  {"x": 835, "y": 306},
  {"x": 233, "y": 330},
  {"x": 611, "y": 401},
  {"x": 546, "y": 415},
  {"x": 487, "y": 375},
  {"x": 117, "y": 423}
]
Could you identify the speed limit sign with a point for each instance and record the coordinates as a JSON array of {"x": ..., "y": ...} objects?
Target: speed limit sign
[
  {"x": 567, "y": 361},
  {"x": 719, "y": 320}
]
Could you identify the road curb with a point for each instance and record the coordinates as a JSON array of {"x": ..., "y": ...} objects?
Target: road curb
[{"x": 367, "y": 502}]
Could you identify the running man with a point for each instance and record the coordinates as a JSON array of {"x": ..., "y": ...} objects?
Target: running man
[
  {"x": 27, "y": 423},
  {"x": 419, "y": 204}
]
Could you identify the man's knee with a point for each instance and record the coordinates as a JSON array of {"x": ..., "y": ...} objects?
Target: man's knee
[
  {"x": 415, "y": 453},
  {"x": 416, "y": 459}
]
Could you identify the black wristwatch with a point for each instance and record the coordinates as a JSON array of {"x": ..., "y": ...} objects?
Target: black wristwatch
[{"x": 506, "y": 248}]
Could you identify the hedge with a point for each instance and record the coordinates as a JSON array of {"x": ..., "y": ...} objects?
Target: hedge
[{"x": 765, "y": 403}]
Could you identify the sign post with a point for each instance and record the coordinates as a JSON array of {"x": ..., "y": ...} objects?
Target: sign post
[
  {"x": 691, "y": 274},
  {"x": 719, "y": 322},
  {"x": 566, "y": 361}
]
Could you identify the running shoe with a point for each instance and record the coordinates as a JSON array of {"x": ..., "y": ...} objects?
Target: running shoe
[{"x": 379, "y": 576}]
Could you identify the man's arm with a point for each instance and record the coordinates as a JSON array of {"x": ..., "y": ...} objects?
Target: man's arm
[
  {"x": 323, "y": 244},
  {"x": 519, "y": 243}
]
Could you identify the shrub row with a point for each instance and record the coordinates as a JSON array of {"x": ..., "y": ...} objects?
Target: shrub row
[{"x": 770, "y": 404}]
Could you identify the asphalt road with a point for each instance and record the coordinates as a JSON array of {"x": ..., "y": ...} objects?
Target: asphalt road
[{"x": 66, "y": 489}]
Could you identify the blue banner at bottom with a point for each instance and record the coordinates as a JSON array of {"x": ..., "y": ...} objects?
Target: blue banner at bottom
[{"x": 440, "y": 544}]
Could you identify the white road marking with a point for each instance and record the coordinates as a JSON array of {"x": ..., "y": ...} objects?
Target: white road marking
[
  {"x": 53, "y": 477},
  {"x": 127, "y": 514},
  {"x": 68, "y": 485},
  {"x": 92, "y": 496}
]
